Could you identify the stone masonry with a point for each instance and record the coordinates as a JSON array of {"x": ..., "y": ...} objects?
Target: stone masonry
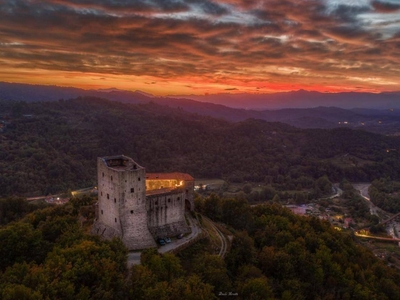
[{"x": 140, "y": 207}]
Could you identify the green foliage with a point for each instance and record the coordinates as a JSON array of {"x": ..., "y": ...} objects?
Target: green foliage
[
  {"x": 377, "y": 229},
  {"x": 357, "y": 206},
  {"x": 322, "y": 187},
  {"x": 242, "y": 252},
  {"x": 276, "y": 199},
  {"x": 12, "y": 209},
  {"x": 46, "y": 255},
  {"x": 286, "y": 256},
  {"x": 247, "y": 188},
  {"x": 20, "y": 242},
  {"x": 212, "y": 270},
  {"x": 232, "y": 211},
  {"x": 56, "y": 149},
  {"x": 162, "y": 277},
  {"x": 166, "y": 267},
  {"x": 251, "y": 283},
  {"x": 274, "y": 254},
  {"x": 85, "y": 269},
  {"x": 385, "y": 194}
]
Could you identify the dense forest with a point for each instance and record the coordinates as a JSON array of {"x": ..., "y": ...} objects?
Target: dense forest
[
  {"x": 385, "y": 193},
  {"x": 50, "y": 147},
  {"x": 274, "y": 255},
  {"x": 297, "y": 257},
  {"x": 46, "y": 252}
]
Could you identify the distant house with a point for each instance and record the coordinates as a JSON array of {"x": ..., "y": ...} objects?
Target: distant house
[
  {"x": 298, "y": 210},
  {"x": 56, "y": 200}
]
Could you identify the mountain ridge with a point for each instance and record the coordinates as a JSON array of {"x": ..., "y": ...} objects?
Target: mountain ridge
[{"x": 320, "y": 116}]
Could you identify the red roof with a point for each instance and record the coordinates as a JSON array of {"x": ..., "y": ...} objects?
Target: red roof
[{"x": 175, "y": 175}]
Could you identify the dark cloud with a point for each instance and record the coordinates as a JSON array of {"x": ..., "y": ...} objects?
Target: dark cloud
[
  {"x": 213, "y": 8},
  {"x": 350, "y": 34},
  {"x": 348, "y": 13},
  {"x": 128, "y": 5},
  {"x": 385, "y": 7},
  {"x": 268, "y": 15},
  {"x": 236, "y": 39}
]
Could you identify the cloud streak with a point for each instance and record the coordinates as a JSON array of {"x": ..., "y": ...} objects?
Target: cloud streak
[{"x": 204, "y": 46}]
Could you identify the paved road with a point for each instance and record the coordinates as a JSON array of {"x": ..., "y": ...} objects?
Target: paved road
[
  {"x": 59, "y": 195},
  {"x": 338, "y": 191},
  {"x": 363, "y": 189},
  {"x": 178, "y": 242},
  {"x": 377, "y": 237},
  {"x": 134, "y": 257},
  {"x": 42, "y": 197},
  {"x": 374, "y": 210}
]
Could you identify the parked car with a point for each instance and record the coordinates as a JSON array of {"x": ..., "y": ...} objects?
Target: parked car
[
  {"x": 179, "y": 236},
  {"x": 167, "y": 240},
  {"x": 161, "y": 241}
]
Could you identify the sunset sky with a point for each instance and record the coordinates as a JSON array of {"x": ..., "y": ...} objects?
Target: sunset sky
[{"x": 170, "y": 47}]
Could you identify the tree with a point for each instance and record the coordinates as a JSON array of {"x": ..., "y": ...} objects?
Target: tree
[
  {"x": 212, "y": 269},
  {"x": 322, "y": 186},
  {"x": 191, "y": 288},
  {"x": 212, "y": 207},
  {"x": 255, "y": 289},
  {"x": 242, "y": 251},
  {"x": 300, "y": 198},
  {"x": 247, "y": 189},
  {"x": 141, "y": 279},
  {"x": 20, "y": 242},
  {"x": 276, "y": 199}
]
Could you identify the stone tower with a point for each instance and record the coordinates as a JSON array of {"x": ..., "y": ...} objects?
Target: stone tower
[{"x": 122, "y": 202}]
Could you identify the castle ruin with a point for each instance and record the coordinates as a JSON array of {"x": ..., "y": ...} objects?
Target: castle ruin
[{"x": 140, "y": 207}]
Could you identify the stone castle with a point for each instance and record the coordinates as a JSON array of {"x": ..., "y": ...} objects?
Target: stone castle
[{"x": 140, "y": 207}]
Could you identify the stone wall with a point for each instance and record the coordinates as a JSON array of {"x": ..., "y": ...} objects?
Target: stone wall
[
  {"x": 169, "y": 230},
  {"x": 166, "y": 213},
  {"x": 189, "y": 193},
  {"x": 108, "y": 194},
  {"x": 105, "y": 231},
  {"x": 132, "y": 208},
  {"x": 122, "y": 204},
  {"x": 124, "y": 210}
]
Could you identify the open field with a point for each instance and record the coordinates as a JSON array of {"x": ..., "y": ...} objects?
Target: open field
[{"x": 209, "y": 181}]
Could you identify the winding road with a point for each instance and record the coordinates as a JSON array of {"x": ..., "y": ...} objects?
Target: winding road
[
  {"x": 221, "y": 236},
  {"x": 363, "y": 189},
  {"x": 134, "y": 257}
]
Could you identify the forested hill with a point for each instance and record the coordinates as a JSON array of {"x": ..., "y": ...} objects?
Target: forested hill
[
  {"x": 318, "y": 113},
  {"x": 47, "y": 147}
]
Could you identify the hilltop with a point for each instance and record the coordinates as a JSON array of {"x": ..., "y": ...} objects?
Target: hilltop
[
  {"x": 52, "y": 146},
  {"x": 376, "y": 112}
]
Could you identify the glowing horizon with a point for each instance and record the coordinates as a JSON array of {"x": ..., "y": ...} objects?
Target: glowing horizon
[{"x": 177, "y": 47}]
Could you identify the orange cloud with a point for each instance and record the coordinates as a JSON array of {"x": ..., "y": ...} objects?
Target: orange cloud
[{"x": 200, "y": 46}]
